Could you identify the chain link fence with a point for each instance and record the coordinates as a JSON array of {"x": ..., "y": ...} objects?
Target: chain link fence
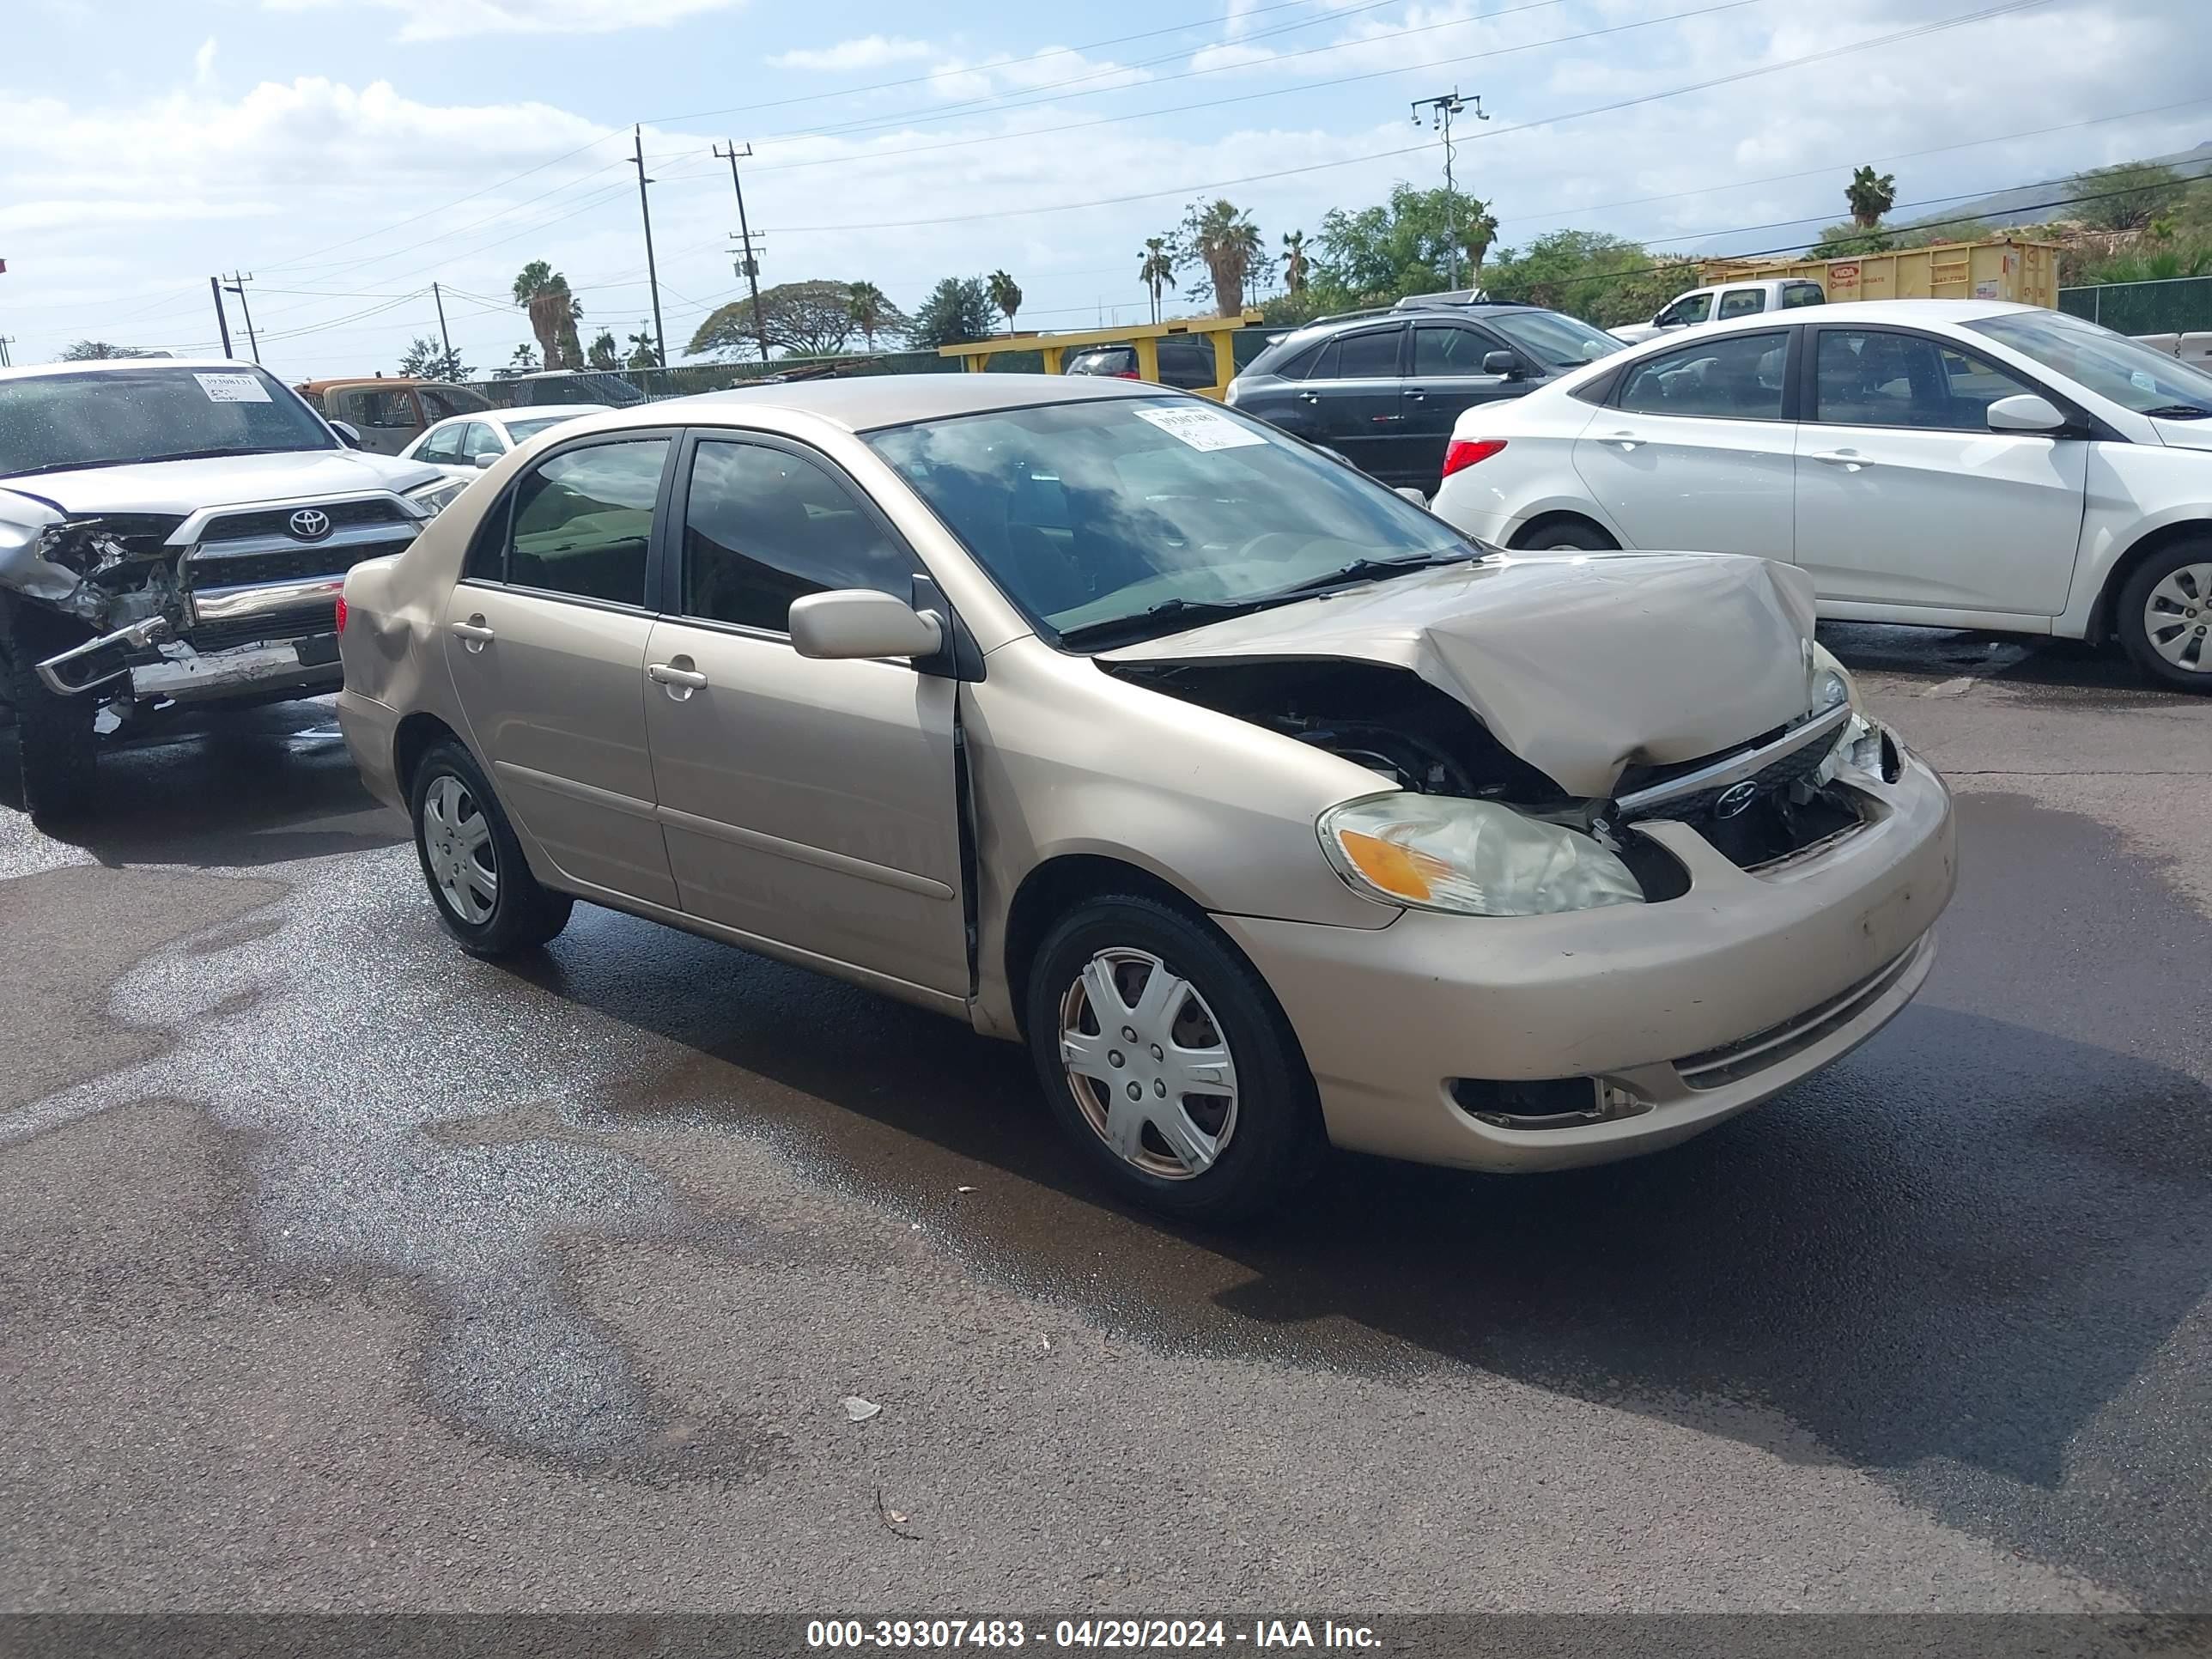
[{"x": 2178, "y": 304}]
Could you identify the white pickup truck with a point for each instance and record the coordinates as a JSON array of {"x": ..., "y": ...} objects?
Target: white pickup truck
[{"x": 1722, "y": 301}]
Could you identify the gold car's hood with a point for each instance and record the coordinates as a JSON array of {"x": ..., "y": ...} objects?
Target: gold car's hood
[{"x": 1581, "y": 664}]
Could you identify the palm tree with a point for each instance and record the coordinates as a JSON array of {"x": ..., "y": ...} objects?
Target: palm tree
[
  {"x": 1228, "y": 243},
  {"x": 1294, "y": 261},
  {"x": 1006, "y": 296},
  {"x": 1157, "y": 270},
  {"x": 1482, "y": 231},
  {"x": 1870, "y": 195},
  {"x": 643, "y": 353},
  {"x": 866, "y": 304},
  {"x": 543, "y": 293}
]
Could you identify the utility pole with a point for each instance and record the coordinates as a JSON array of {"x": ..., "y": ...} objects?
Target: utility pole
[
  {"x": 444, "y": 338},
  {"x": 6, "y": 340},
  {"x": 645, "y": 211},
  {"x": 237, "y": 285},
  {"x": 221, "y": 319},
  {"x": 747, "y": 261},
  {"x": 1441, "y": 111}
]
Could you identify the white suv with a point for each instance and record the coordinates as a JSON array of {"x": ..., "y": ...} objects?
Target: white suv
[{"x": 1962, "y": 463}]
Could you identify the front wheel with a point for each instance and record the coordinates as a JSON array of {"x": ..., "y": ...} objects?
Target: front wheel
[
  {"x": 486, "y": 897},
  {"x": 1169, "y": 1063},
  {"x": 55, "y": 738},
  {"x": 2165, "y": 616}
]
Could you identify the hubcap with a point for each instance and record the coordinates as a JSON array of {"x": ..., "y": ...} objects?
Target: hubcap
[
  {"x": 1148, "y": 1064},
  {"x": 457, "y": 845},
  {"x": 2176, "y": 615}
]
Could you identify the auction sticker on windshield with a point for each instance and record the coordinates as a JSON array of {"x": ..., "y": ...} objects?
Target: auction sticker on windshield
[
  {"x": 233, "y": 388},
  {"x": 1201, "y": 428}
]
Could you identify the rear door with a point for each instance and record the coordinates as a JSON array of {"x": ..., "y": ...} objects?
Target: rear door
[
  {"x": 545, "y": 638},
  {"x": 1446, "y": 378},
  {"x": 1356, "y": 396},
  {"x": 1694, "y": 452},
  {"x": 1905, "y": 497},
  {"x": 809, "y": 803}
]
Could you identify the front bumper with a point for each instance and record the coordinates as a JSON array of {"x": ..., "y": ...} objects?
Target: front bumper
[
  {"x": 1682, "y": 1014},
  {"x": 144, "y": 663}
]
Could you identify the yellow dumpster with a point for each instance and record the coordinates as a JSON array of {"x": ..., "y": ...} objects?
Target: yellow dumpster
[{"x": 2003, "y": 268}]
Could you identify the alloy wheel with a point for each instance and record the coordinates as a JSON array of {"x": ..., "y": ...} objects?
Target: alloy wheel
[
  {"x": 458, "y": 846},
  {"x": 2177, "y": 615},
  {"x": 1149, "y": 1063}
]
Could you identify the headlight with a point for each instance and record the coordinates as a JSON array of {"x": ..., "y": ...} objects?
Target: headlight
[
  {"x": 436, "y": 496},
  {"x": 1830, "y": 681},
  {"x": 1472, "y": 857}
]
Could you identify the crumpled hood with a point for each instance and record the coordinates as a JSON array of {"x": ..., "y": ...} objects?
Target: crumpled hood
[
  {"x": 183, "y": 486},
  {"x": 1581, "y": 664}
]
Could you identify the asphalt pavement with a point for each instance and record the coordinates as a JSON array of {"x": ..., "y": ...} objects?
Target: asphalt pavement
[{"x": 339, "y": 1271}]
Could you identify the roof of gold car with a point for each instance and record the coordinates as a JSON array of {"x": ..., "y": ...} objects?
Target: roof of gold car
[{"x": 868, "y": 401}]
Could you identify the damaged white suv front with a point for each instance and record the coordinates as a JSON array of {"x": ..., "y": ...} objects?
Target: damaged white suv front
[{"x": 173, "y": 534}]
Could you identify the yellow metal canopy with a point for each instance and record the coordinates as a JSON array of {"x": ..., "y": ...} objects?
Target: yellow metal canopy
[{"x": 976, "y": 355}]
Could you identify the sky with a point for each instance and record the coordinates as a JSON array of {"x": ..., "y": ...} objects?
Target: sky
[{"x": 349, "y": 153}]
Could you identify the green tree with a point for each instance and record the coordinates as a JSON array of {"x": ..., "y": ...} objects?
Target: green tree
[
  {"x": 1221, "y": 236},
  {"x": 1296, "y": 266},
  {"x": 957, "y": 309},
  {"x": 644, "y": 353},
  {"x": 523, "y": 361},
  {"x": 1478, "y": 230},
  {"x": 811, "y": 319},
  {"x": 1604, "y": 280},
  {"x": 1869, "y": 195},
  {"x": 604, "y": 353},
  {"x": 542, "y": 292},
  {"x": 2132, "y": 194},
  {"x": 426, "y": 360},
  {"x": 1841, "y": 242},
  {"x": 1397, "y": 247},
  {"x": 1158, "y": 270},
  {"x": 1006, "y": 295},
  {"x": 87, "y": 351},
  {"x": 870, "y": 310}
]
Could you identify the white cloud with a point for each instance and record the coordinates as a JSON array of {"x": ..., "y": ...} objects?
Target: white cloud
[
  {"x": 869, "y": 52},
  {"x": 203, "y": 64},
  {"x": 1047, "y": 70},
  {"x": 451, "y": 19}
]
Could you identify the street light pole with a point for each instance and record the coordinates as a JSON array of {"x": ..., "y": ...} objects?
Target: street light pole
[
  {"x": 1441, "y": 111},
  {"x": 652, "y": 275},
  {"x": 749, "y": 262}
]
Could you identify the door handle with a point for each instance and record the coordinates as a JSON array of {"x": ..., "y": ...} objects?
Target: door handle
[
  {"x": 1309, "y": 397},
  {"x": 1415, "y": 395},
  {"x": 679, "y": 677},
  {"x": 1625, "y": 441},
  {"x": 1849, "y": 460},
  {"x": 472, "y": 634}
]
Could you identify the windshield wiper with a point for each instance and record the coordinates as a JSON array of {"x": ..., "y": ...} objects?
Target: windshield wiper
[
  {"x": 1368, "y": 570},
  {"x": 2177, "y": 412},
  {"x": 1167, "y": 616}
]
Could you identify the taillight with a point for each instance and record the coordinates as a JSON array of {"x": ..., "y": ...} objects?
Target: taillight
[
  {"x": 1125, "y": 375},
  {"x": 1466, "y": 451},
  {"x": 342, "y": 613}
]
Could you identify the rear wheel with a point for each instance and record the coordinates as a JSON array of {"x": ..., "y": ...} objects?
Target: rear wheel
[
  {"x": 486, "y": 897},
  {"x": 1564, "y": 536},
  {"x": 2164, "y": 615},
  {"x": 56, "y": 745},
  {"x": 1169, "y": 1063}
]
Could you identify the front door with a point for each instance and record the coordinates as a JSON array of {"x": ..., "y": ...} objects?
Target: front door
[
  {"x": 1905, "y": 497},
  {"x": 545, "y": 638},
  {"x": 1693, "y": 453},
  {"x": 1447, "y": 378},
  {"x": 808, "y": 803}
]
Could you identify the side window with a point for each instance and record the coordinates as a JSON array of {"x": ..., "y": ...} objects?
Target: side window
[
  {"x": 1324, "y": 366},
  {"x": 1734, "y": 377},
  {"x": 1690, "y": 308},
  {"x": 582, "y": 520},
  {"x": 1301, "y": 368},
  {"x": 439, "y": 404},
  {"x": 481, "y": 439},
  {"x": 388, "y": 408},
  {"x": 1795, "y": 295},
  {"x": 765, "y": 526},
  {"x": 1441, "y": 350},
  {"x": 1868, "y": 377},
  {"x": 1742, "y": 302},
  {"x": 443, "y": 445},
  {"x": 1370, "y": 356}
]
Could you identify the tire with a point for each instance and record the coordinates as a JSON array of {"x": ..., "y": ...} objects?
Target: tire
[
  {"x": 55, "y": 742},
  {"x": 1243, "y": 1154},
  {"x": 1567, "y": 535},
  {"x": 447, "y": 797},
  {"x": 2164, "y": 615}
]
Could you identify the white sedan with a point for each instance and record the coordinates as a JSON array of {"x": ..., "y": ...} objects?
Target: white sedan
[
  {"x": 463, "y": 445},
  {"x": 1961, "y": 464}
]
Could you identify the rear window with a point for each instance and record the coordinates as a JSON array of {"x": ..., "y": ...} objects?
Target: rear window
[
  {"x": 1104, "y": 360},
  {"x": 1802, "y": 293}
]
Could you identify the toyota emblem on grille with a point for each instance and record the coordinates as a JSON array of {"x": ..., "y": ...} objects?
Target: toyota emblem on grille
[
  {"x": 1734, "y": 799},
  {"x": 311, "y": 524}
]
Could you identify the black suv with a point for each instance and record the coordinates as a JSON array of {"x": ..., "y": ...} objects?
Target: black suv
[{"x": 1382, "y": 388}]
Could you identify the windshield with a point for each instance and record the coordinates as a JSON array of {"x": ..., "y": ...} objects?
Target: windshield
[
  {"x": 50, "y": 422},
  {"x": 1090, "y": 513},
  {"x": 520, "y": 431},
  {"x": 1552, "y": 338},
  {"x": 2130, "y": 373}
]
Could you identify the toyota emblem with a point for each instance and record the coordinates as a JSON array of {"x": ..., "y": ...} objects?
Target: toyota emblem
[
  {"x": 1734, "y": 799},
  {"x": 311, "y": 524}
]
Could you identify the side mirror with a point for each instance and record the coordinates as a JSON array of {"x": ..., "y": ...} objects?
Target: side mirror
[
  {"x": 2026, "y": 412},
  {"x": 859, "y": 622},
  {"x": 488, "y": 458},
  {"x": 349, "y": 433},
  {"x": 1413, "y": 495},
  {"x": 1503, "y": 363}
]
